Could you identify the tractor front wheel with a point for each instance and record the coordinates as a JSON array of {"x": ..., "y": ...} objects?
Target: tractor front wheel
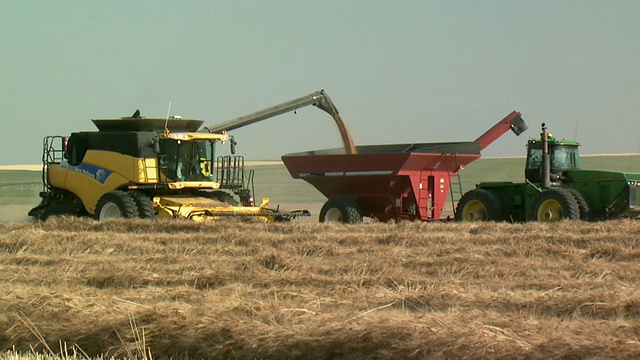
[
  {"x": 555, "y": 205},
  {"x": 115, "y": 205},
  {"x": 341, "y": 209},
  {"x": 479, "y": 205}
]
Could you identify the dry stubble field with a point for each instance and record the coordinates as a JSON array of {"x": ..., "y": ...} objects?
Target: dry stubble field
[{"x": 317, "y": 291}]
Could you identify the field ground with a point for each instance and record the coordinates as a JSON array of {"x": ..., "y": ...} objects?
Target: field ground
[
  {"x": 309, "y": 290},
  {"x": 305, "y": 290}
]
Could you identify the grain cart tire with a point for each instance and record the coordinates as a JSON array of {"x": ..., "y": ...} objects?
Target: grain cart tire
[
  {"x": 555, "y": 205},
  {"x": 146, "y": 210},
  {"x": 479, "y": 205},
  {"x": 341, "y": 209},
  {"x": 583, "y": 205},
  {"x": 114, "y": 205}
]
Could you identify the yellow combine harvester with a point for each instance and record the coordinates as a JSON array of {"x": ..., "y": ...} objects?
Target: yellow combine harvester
[
  {"x": 166, "y": 168},
  {"x": 137, "y": 167}
]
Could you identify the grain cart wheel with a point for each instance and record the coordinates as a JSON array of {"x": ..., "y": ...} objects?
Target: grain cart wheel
[
  {"x": 146, "y": 210},
  {"x": 583, "y": 205},
  {"x": 555, "y": 205},
  {"x": 341, "y": 209},
  {"x": 479, "y": 205},
  {"x": 116, "y": 204}
]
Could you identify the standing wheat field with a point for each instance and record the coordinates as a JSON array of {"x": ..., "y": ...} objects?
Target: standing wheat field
[{"x": 303, "y": 290}]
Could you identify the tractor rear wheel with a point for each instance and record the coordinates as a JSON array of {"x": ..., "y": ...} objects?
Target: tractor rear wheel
[
  {"x": 555, "y": 205},
  {"x": 115, "y": 205},
  {"x": 341, "y": 209},
  {"x": 583, "y": 205},
  {"x": 479, "y": 205}
]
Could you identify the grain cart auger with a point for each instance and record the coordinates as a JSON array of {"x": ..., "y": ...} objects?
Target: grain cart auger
[
  {"x": 138, "y": 167},
  {"x": 555, "y": 188},
  {"x": 319, "y": 99},
  {"x": 391, "y": 182}
]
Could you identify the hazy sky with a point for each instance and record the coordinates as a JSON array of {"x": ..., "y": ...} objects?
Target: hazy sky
[{"x": 398, "y": 71}]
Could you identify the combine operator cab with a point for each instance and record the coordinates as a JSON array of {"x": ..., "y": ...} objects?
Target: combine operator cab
[
  {"x": 186, "y": 160},
  {"x": 195, "y": 160}
]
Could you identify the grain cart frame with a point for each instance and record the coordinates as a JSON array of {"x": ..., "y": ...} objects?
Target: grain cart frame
[
  {"x": 555, "y": 189},
  {"x": 392, "y": 182}
]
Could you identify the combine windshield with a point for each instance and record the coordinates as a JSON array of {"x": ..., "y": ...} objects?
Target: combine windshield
[{"x": 187, "y": 160}]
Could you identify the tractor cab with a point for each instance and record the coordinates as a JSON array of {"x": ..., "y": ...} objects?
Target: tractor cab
[{"x": 564, "y": 155}]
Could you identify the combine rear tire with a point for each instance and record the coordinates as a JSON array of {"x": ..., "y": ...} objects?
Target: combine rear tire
[
  {"x": 479, "y": 205},
  {"x": 115, "y": 205},
  {"x": 145, "y": 206},
  {"x": 341, "y": 209},
  {"x": 555, "y": 205}
]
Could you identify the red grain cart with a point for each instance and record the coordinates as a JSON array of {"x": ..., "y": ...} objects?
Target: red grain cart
[{"x": 390, "y": 182}]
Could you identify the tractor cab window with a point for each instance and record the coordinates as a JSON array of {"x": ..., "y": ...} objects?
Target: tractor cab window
[
  {"x": 534, "y": 158},
  {"x": 187, "y": 160},
  {"x": 534, "y": 162},
  {"x": 564, "y": 157}
]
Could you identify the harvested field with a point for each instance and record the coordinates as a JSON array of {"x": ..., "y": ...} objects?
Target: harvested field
[{"x": 316, "y": 291}]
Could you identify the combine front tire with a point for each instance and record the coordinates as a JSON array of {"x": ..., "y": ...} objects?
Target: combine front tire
[
  {"x": 116, "y": 204},
  {"x": 341, "y": 209},
  {"x": 146, "y": 210},
  {"x": 479, "y": 205},
  {"x": 555, "y": 205}
]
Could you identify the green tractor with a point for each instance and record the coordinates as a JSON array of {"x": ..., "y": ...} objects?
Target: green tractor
[{"x": 555, "y": 189}]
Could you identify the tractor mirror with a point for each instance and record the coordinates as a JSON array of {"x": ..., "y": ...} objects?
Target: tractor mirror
[
  {"x": 233, "y": 145},
  {"x": 156, "y": 145}
]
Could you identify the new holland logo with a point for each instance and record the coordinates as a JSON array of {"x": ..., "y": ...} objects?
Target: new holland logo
[{"x": 97, "y": 173}]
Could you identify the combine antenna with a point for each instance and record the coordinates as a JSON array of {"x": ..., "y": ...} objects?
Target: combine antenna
[{"x": 166, "y": 121}]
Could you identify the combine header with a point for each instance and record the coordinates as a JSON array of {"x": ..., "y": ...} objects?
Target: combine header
[{"x": 390, "y": 182}]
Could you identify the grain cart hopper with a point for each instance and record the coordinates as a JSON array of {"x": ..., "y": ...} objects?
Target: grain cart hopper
[
  {"x": 138, "y": 167},
  {"x": 390, "y": 182},
  {"x": 555, "y": 188}
]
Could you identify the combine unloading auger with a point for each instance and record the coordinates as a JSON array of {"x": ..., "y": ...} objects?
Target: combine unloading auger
[{"x": 319, "y": 99}]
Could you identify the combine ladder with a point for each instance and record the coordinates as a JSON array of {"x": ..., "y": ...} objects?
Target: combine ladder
[{"x": 455, "y": 184}]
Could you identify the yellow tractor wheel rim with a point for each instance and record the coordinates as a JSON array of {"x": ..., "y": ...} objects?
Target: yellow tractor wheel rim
[
  {"x": 550, "y": 210},
  {"x": 474, "y": 210}
]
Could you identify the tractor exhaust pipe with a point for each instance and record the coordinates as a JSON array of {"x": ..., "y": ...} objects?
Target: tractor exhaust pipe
[{"x": 545, "y": 181}]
